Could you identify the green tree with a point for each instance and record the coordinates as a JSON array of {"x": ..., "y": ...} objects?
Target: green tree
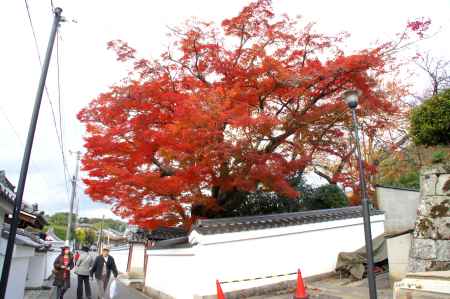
[
  {"x": 108, "y": 223},
  {"x": 430, "y": 122},
  {"x": 60, "y": 231},
  {"x": 58, "y": 221},
  {"x": 91, "y": 236},
  {"x": 60, "y": 218},
  {"x": 324, "y": 197},
  {"x": 401, "y": 168},
  {"x": 263, "y": 202},
  {"x": 80, "y": 236},
  {"x": 409, "y": 180},
  {"x": 85, "y": 236}
]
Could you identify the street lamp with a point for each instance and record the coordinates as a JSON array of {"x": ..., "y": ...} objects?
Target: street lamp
[{"x": 351, "y": 98}]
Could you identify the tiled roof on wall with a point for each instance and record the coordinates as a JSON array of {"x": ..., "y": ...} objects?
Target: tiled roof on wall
[
  {"x": 397, "y": 188},
  {"x": 238, "y": 224},
  {"x": 165, "y": 233},
  {"x": 25, "y": 238},
  {"x": 181, "y": 242},
  {"x": 6, "y": 193}
]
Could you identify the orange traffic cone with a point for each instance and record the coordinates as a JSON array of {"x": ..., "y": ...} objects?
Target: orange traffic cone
[
  {"x": 220, "y": 294},
  {"x": 300, "y": 292}
]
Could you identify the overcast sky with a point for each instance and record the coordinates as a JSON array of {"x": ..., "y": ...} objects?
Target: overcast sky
[{"x": 88, "y": 68}]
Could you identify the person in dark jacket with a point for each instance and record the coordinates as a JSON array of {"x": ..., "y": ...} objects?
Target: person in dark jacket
[
  {"x": 82, "y": 270},
  {"x": 62, "y": 266},
  {"x": 104, "y": 264}
]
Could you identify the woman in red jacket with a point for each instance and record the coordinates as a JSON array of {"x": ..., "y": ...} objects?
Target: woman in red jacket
[{"x": 62, "y": 266}]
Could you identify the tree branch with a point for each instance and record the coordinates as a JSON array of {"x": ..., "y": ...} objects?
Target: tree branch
[{"x": 165, "y": 171}]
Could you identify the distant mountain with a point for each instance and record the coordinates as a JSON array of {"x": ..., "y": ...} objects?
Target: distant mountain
[{"x": 58, "y": 222}]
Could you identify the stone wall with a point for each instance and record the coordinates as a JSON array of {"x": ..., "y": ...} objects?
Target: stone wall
[{"x": 430, "y": 250}]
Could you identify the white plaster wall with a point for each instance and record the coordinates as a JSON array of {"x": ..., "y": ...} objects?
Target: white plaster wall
[
  {"x": 398, "y": 256},
  {"x": 37, "y": 270},
  {"x": 2, "y": 215},
  {"x": 313, "y": 248},
  {"x": 50, "y": 259},
  {"x": 5, "y": 208},
  {"x": 18, "y": 270},
  {"x": 246, "y": 255},
  {"x": 121, "y": 259},
  {"x": 175, "y": 272},
  {"x": 137, "y": 258},
  {"x": 17, "y": 277}
]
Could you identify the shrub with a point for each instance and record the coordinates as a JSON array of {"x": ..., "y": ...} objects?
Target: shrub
[
  {"x": 439, "y": 156},
  {"x": 430, "y": 122}
]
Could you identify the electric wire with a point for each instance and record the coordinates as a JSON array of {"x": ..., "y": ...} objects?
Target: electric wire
[
  {"x": 58, "y": 72},
  {"x": 60, "y": 141},
  {"x": 20, "y": 140},
  {"x": 5, "y": 115}
]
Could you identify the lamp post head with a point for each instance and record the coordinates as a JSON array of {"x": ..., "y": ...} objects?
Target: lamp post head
[{"x": 351, "y": 98}]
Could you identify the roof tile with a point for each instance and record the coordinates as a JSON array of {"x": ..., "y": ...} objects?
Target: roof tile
[{"x": 228, "y": 225}]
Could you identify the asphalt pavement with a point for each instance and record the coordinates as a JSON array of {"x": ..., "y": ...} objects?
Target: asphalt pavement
[{"x": 124, "y": 292}]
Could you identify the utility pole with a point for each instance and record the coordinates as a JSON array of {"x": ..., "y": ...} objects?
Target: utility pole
[
  {"x": 26, "y": 155},
  {"x": 75, "y": 226},
  {"x": 100, "y": 238},
  {"x": 77, "y": 208},
  {"x": 72, "y": 198}
]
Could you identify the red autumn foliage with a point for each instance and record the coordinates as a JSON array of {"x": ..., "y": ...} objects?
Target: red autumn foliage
[
  {"x": 419, "y": 26},
  {"x": 228, "y": 109}
]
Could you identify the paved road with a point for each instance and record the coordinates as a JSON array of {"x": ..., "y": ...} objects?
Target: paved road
[{"x": 124, "y": 291}]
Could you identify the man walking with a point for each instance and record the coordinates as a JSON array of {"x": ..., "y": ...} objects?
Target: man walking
[
  {"x": 83, "y": 266},
  {"x": 103, "y": 265}
]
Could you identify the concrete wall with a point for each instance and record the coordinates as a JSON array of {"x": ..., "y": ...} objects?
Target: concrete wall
[
  {"x": 137, "y": 258},
  {"x": 400, "y": 207},
  {"x": 5, "y": 208},
  {"x": 18, "y": 271},
  {"x": 121, "y": 259},
  {"x": 50, "y": 259},
  {"x": 175, "y": 272},
  {"x": 2, "y": 216},
  {"x": 425, "y": 285},
  {"x": 398, "y": 256},
  {"x": 37, "y": 270},
  {"x": 185, "y": 273}
]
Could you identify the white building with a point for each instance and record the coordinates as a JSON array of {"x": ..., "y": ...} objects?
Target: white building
[
  {"x": 247, "y": 253},
  {"x": 7, "y": 197},
  {"x": 28, "y": 265}
]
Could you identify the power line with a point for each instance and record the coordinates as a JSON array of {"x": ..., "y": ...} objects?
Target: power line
[
  {"x": 16, "y": 133},
  {"x": 60, "y": 141},
  {"x": 5, "y": 115},
  {"x": 59, "y": 110},
  {"x": 8, "y": 256}
]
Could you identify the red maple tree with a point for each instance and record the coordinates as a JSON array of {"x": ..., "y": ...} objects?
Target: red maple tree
[{"x": 229, "y": 109}]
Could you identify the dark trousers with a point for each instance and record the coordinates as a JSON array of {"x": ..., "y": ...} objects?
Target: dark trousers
[
  {"x": 60, "y": 292},
  {"x": 87, "y": 287}
]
